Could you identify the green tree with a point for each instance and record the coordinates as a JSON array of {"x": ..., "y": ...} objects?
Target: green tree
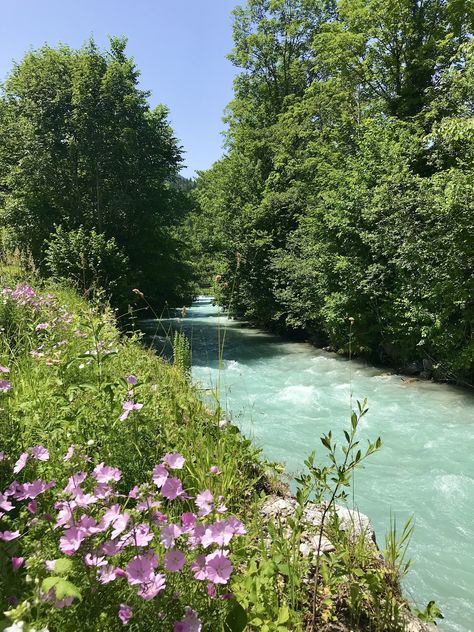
[{"x": 83, "y": 148}]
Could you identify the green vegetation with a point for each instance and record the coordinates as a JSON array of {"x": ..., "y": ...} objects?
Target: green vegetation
[
  {"x": 346, "y": 188},
  {"x": 89, "y": 177},
  {"x": 119, "y": 500}
]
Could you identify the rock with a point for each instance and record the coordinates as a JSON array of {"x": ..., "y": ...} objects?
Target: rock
[{"x": 279, "y": 509}]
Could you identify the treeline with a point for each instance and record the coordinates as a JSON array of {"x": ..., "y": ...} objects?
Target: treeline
[
  {"x": 347, "y": 186},
  {"x": 89, "y": 175}
]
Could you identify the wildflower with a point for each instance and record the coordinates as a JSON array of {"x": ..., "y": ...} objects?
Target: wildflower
[
  {"x": 141, "y": 535},
  {"x": 3, "y": 456},
  {"x": 5, "y": 504},
  {"x": 132, "y": 380},
  {"x": 17, "y": 562},
  {"x": 103, "y": 473},
  {"x": 5, "y": 386},
  {"x": 34, "y": 489},
  {"x": 150, "y": 590},
  {"x": 175, "y": 461},
  {"x": 69, "y": 453},
  {"x": 214, "y": 470},
  {"x": 4, "y": 369},
  {"x": 102, "y": 491},
  {"x": 6, "y": 536},
  {"x": 20, "y": 464},
  {"x": 204, "y": 502},
  {"x": 169, "y": 534},
  {"x": 127, "y": 407},
  {"x": 71, "y": 540},
  {"x": 42, "y": 326},
  {"x": 32, "y": 507},
  {"x": 189, "y": 623},
  {"x": 140, "y": 570},
  {"x": 188, "y": 520},
  {"x": 211, "y": 590},
  {"x": 40, "y": 453},
  {"x": 74, "y": 482},
  {"x": 198, "y": 567},
  {"x": 159, "y": 476},
  {"x": 218, "y": 567},
  {"x": 219, "y": 533},
  {"x": 94, "y": 560},
  {"x": 107, "y": 574},
  {"x": 174, "y": 560},
  {"x": 125, "y": 613},
  {"x": 173, "y": 489}
]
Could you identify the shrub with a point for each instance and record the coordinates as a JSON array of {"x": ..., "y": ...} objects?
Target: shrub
[{"x": 89, "y": 259}]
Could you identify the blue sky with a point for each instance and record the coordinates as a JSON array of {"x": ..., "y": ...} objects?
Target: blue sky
[{"x": 180, "y": 47}]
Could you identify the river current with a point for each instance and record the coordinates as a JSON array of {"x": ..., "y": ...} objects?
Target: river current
[{"x": 285, "y": 394}]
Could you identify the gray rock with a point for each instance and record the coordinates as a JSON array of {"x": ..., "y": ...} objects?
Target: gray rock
[{"x": 279, "y": 509}]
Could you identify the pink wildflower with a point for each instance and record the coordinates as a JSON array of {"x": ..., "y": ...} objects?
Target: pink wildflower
[
  {"x": 214, "y": 470},
  {"x": 6, "y": 536},
  {"x": 94, "y": 560},
  {"x": 211, "y": 590},
  {"x": 140, "y": 570},
  {"x": 69, "y": 453},
  {"x": 198, "y": 567},
  {"x": 108, "y": 574},
  {"x": 20, "y": 464},
  {"x": 169, "y": 534},
  {"x": 71, "y": 540},
  {"x": 42, "y": 326},
  {"x": 189, "y": 623},
  {"x": 218, "y": 567},
  {"x": 159, "y": 476},
  {"x": 5, "y": 386},
  {"x": 174, "y": 560},
  {"x": 17, "y": 562},
  {"x": 188, "y": 521},
  {"x": 175, "y": 460},
  {"x": 40, "y": 453},
  {"x": 132, "y": 380},
  {"x": 104, "y": 473},
  {"x": 204, "y": 502},
  {"x": 5, "y": 504},
  {"x": 74, "y": 482},
  {"x": 127, "y": 407},
  {"x": 4, "y": 369},
  {"x": 173, "y": 489},
  {"x": 150, "y": 590},
  {"x": 125, "y": 613}
]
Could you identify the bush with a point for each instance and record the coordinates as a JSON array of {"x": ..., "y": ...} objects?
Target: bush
[{"x": 90, "y": 260}]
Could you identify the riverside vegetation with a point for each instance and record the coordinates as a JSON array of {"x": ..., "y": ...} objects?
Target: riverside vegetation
[
  {"x": 121, "y": 507},
  {"x": 346, "y": 184}
]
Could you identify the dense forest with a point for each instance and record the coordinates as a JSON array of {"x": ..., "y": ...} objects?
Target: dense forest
[
  {"x": 344, "y": 204},
  {"x": 89, "y": 175}
]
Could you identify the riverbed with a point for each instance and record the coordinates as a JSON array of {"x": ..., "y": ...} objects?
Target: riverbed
[{"x": 284, "y": 395}]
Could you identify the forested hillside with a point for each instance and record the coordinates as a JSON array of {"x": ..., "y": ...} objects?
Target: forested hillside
[
  {"x": 343, "y": 206},
  {"x": 89, "y": 175}
]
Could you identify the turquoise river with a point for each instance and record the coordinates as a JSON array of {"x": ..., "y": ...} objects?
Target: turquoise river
[{"x": 285, "y": 394}]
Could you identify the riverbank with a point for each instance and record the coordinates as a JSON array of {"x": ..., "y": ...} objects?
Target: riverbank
[
  {"x": 284, "y": 395},
  {"x": 114, "y": 448}
]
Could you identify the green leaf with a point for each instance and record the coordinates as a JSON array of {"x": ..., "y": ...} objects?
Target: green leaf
[
  {"x": 62, "y": 588},
  {"x": 236, "y": 620}
]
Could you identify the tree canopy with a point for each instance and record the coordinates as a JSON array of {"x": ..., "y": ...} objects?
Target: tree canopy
[
  {"x": 82, "y": 150},
  {"x": 346, "y": 187}
]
